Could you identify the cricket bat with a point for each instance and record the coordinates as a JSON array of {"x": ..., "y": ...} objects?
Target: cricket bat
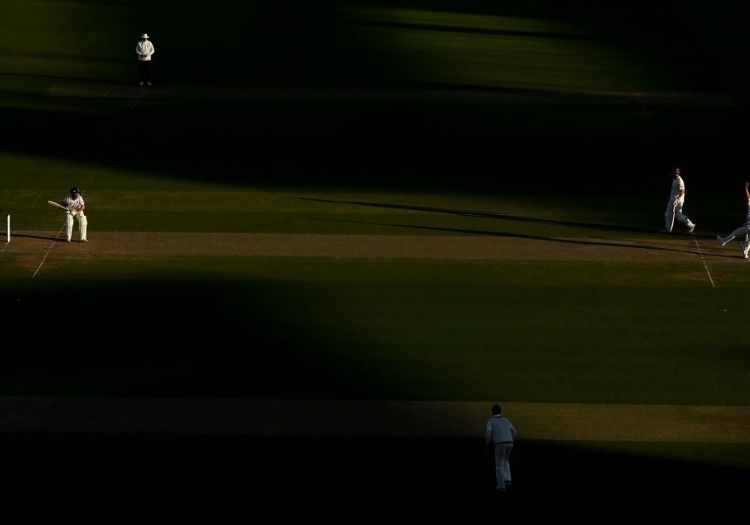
[{"x": 56, "y": 205}]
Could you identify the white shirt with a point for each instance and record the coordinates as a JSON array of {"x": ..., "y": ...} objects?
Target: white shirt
[
  {"x": 74, "y": 205},
  {"x": 678, "y": 189},
  {"x": 144, "y": 49}
]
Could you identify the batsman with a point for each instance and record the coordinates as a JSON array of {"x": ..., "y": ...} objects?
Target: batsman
[{"x": 75, "y": 207}]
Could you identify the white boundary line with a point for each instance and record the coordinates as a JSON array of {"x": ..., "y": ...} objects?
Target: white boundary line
[
  {"x": 52, "y": 245},
  {"x": 703, "y": 260}
]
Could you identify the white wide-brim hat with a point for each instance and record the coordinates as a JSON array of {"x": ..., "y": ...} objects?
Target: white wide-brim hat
[{"x": 144, "y": 35}]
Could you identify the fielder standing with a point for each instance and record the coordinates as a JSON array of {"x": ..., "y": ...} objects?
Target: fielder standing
[
  {"x": 500, "y": 435},
  {"x": 144, "y": 49},
  {"x": 675, "y": 204},
  {"x": 742, "y": 230},
  {"x": 75, "y": 207}
]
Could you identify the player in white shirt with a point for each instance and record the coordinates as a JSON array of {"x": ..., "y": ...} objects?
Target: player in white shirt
[
  {"x": 742, "y": 230},
  {"x": 144, "y": 49},
  {"x": 75, "y": 208},
  {"x": 675, "y": 204}
]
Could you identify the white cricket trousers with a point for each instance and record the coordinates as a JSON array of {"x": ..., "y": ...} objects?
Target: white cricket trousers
[
  {"x": 674, "y": 211},
  {"x": 82, "y": 225},
  {"x": 502, "y": 466}
]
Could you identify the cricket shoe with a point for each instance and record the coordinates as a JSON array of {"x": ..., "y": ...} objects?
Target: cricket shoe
[
  {"x": 692, "y": 228},
  {"x": 745, "y": 250},
  {"x": 723, "y": 241}
]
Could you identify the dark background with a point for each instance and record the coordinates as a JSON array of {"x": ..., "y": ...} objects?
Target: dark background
[{"x": 233, "y": 479}]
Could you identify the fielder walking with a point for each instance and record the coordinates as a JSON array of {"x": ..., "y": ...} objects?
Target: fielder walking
[
  {"x": 144, "y": 49},
  {"x": 675, "y": 204},
  {"x": 75, "y": 207},
  {"x": 742, "y": 230},
  {"x": 500, "y": 435}
]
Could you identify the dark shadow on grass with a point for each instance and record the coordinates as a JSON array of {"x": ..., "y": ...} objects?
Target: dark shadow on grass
[
  {"x": 488, "y": 215},
  {"x": 237, "y": 478},
  {"x": 466, "y": 231},
  {"x": 477, "y": 30},
  {"x": 43, "y": 237},
  {"x": 306, "y": 46},
  {"x": 377, "y": 144},
  {"x": 170, "y": 337},
  {"x": 47, "y": 77}
]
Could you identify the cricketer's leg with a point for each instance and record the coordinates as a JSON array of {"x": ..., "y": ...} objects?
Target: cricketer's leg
[
  {"x": 506, "y": 464},
  {"x": 724, "y": 240},
  {"x": 669, "y": 217},
  {"x": 502, "y": 469},
  {"x": 742, "y": 230},
  {"x": 68, "y": 227},
  {"x": 83, "y": 223},
  {"x": 499, "y": 460},
  {"x": 682, "y": 217}
]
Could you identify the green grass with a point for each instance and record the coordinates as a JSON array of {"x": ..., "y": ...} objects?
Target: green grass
[
  {"x": 331, "y": 43},
  {"x": 128, "y": 200},
  {"x": 67, "y": 39},
  {"x": 619, "y": 331},
  {"x": 488, "y": 51},
  {"x": 215, "y": 326},
  {"x": 522, "y": 331}
]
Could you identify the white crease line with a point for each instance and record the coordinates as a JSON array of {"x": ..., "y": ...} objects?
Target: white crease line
[
  {"x": 52, "y": 245},
  {"x": 703, "y": 260}
]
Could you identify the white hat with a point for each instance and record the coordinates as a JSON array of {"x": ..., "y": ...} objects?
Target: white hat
[{"x": 144, "y": 35}]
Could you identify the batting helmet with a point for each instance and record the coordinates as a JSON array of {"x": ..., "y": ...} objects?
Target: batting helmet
[{"x": 74, "y": 191}]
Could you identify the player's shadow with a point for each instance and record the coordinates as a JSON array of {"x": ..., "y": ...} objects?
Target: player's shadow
[
  {"x": 519, "y": 218},
  {"x": 43, "y": 237},
  {"x": 485, "y": 215},
  {"x": 596, "y": 242}
]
